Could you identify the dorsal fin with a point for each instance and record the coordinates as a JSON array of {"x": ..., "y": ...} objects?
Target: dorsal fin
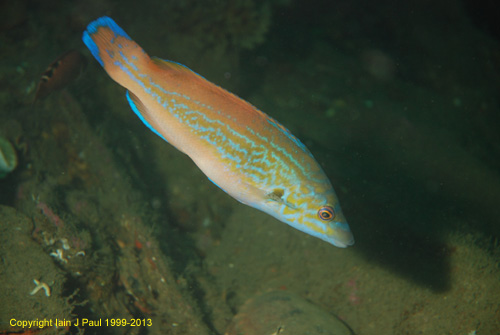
[{"x": 169, "y": 65}]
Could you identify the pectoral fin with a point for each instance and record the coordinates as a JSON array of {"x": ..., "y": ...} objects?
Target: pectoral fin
[{"x": 277, "y": 196}]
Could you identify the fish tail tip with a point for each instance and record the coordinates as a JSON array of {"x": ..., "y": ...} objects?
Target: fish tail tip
[
  {"x": 92, "y": 42},
  {"x": 108, "y": 22},
  {"x": 92, "y": 46}
]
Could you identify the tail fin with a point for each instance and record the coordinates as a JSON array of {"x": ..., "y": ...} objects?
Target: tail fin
[{"x": 118, "y": 54}]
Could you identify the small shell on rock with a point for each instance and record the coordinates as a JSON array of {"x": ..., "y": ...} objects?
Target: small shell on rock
[
  {"x": 282, "y": 312},
  {"x": 8, "y": 157}
]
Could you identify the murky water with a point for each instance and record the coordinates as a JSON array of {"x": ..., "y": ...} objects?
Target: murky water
[{"x": 398, "y": 103}]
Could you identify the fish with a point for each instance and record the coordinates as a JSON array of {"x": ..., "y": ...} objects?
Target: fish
[
  {"x": 242, "y": 150},
  {"x": 60, "y": 73}
]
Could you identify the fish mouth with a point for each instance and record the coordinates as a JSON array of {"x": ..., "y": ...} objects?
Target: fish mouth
[
  {"x": 343, "y": 244},
  {"x": 342, "y": 236}
]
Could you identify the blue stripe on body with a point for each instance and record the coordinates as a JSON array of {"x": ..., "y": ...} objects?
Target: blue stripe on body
[{"x": 215, "y": 136}]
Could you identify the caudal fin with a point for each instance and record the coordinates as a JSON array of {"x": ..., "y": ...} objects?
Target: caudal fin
[{"x": 111, "y": 46}]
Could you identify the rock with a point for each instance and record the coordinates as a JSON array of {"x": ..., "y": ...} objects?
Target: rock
[
  {"x": 24, "y": 265},
  {"x": 279, "y": 312}
]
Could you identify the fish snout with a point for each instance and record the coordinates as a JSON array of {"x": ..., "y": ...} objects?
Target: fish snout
[{"x": 342, "y": 236}]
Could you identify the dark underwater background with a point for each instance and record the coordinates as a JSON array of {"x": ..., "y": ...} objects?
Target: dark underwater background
[{"x": 397, "y": 100}]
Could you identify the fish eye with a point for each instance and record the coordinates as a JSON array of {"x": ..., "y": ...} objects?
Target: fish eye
[{"x": 326, "y": 213}]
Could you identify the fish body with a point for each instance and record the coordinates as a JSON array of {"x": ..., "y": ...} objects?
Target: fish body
[{"x": 242, "y": 150}]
